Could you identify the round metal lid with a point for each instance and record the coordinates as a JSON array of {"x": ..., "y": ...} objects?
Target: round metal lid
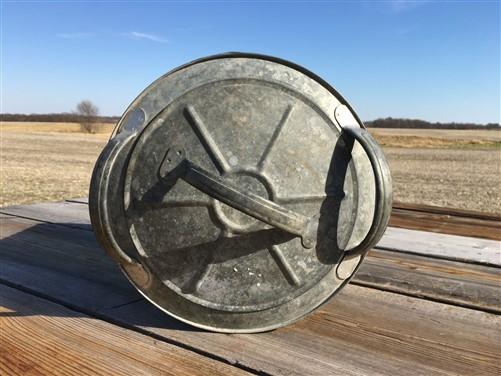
[{"x": 239, "y": 192}]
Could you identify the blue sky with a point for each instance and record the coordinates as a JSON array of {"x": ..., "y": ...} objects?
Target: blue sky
[{"x": 433, "y": 60}]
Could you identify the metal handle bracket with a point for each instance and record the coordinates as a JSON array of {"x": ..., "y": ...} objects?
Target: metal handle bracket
[{"x": 177, "y": 166}]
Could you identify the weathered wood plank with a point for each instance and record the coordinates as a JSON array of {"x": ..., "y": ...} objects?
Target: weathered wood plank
[
  {"x": 48, "y": 250},
  {"x": 408, "y": 207},
  {"x": 419, "y": 242},
  {"x": 445, "y": 223},
  {"x": 43, "y": 338},
  {"x": 446, "y": 210},
  {"x": 361, "y": 331},
  {"x": 78, "y": 200},
  {"x": 451, "y": 247},
  {"x": 61, "y": 262},
  {"x": 433, "y": 219},
  {"x": 70, "y": 214},
  {"x": 473, "y": 286}
]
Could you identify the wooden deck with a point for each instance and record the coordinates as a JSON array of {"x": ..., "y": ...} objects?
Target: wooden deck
[{"x": 425, "y": 302}]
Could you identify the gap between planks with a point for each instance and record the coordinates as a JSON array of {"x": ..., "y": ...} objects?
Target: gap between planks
[
  {"x": 362, "y": 331},
  {"x": 445, "y": 246},
  {"x": 41, "y": 337},
  {"x": 343, "y": 338},
  {"x": 398, "y": 271},
  {"x": 38, "y": 251},
  {"x": 400, "y": 205}
]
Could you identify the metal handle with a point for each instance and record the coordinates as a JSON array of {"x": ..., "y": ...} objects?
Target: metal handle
[
  {"x": 276, "y": 215},
  {"x": 249, "y": 203},
  {"x": 382, "y": 177},
  {"x": 102, "y": 192}
]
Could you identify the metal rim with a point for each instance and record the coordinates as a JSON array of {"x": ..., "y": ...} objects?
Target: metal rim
[
  {"x": 131, "y": 268},
  {"x": 250, "y": 55}
]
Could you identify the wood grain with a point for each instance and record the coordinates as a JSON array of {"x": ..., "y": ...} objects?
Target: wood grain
[
  {"x": 474, "y": 286},
  {"x": 411, "y": 216},
  {"x": 70, "y": 214},
  {"x": 450, "y": 247},
  {"x": 433, "y": 219},
  {"x": 446, "y": 223},
  {"x": 61, "y": 262},
  {"x": 75, "y": 214},
  {"x": 452, "y": 282},
  {"x": 42, "y": 338},
  {"x": 447, "y": 211},
  {"x": 362, "y": 331},
  {"x": 359, "y": 332},
  {"x": 446, "y": 220}
]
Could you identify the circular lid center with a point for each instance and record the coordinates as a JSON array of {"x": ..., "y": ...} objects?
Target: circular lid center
[{"x": 234, "y": 220}]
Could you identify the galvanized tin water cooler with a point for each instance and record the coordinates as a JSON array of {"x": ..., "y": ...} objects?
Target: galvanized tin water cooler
[{"x": 239, "y": 192}]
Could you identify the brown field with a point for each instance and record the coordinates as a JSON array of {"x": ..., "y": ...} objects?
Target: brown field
[
  {"x": 449, "y": 134},
  {"x": 462, "y": 169},
  {"x": 438, "y": 138},
  {"x": 43, "y": 127}
]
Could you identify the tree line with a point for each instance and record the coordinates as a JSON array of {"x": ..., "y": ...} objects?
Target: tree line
[
  {"x": 65, "y": 117},
  {"x": 415, "y": 123},
  {"x": 74, "y": 117}
]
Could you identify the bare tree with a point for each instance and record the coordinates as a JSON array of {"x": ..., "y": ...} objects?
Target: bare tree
[{"x": 89, "y": 113}]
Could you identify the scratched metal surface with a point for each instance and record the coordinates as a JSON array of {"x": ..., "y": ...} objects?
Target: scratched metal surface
[{"x": 266, "y": 133}]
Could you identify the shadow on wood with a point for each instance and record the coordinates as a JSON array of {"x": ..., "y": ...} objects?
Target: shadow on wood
[{"x": 67, "y": 266}]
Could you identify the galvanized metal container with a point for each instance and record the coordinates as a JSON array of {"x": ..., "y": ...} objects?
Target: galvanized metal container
[{"x": 239, "y": 192}]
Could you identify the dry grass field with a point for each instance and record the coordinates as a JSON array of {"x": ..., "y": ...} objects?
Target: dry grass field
[
  {"x": 41, "y": 127},
  {"x": 46, "y": 161},
  {"x": 455, "y": 168},
  {"x": 448, "y": 134},
  {"x": 462, "y": 169},
  {"x": 438, "y": 138}
]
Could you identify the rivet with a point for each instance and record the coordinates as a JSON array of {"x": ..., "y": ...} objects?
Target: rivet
[{"x": 347, "y": 266}]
